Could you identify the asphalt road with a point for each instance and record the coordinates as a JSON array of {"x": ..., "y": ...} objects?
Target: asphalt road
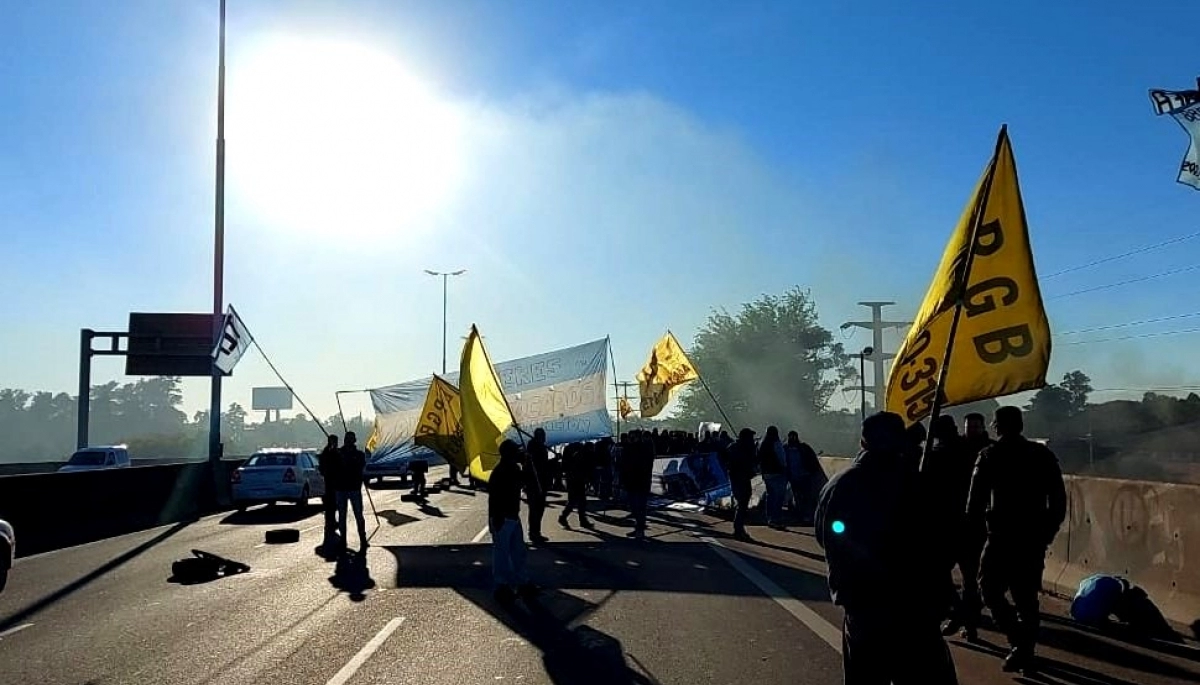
[{"x": 689, "y": 605}]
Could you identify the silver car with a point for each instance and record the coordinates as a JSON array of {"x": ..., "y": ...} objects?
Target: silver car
[{"x": 277, "y": 474}]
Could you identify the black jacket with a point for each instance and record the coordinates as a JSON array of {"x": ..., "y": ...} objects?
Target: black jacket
[
  {"x": 1018, "y": 493},
  {"x": 884, "y": 559},
  {"x": 637, "y": 467},
  {"x": 504, "y": 492},
  {"x": 537, "y": 478},
  {"x": 348, "y": 472},
  {"x": 742, "y": 461}
]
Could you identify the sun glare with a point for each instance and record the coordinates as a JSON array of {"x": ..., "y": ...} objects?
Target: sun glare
[{"x": 337, "y": 139}]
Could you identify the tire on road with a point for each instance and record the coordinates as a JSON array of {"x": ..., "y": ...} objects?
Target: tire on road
[{"x": 282, "y": 536}]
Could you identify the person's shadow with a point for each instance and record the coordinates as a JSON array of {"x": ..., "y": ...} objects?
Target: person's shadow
[{"x": 351, "y": 575}]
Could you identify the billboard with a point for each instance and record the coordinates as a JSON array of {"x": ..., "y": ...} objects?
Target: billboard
[
  {"x": 266, "y": 399},
  {"x": 171, "y": 344}
]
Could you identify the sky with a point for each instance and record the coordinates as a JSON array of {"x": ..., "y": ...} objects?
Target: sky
[{"x": 598, "y": 168}]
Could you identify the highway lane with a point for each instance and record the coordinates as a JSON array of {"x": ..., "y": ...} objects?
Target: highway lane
[{"x": 674, "y": 609}]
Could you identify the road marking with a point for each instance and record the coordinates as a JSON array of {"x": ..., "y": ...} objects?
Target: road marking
[
  {"x": 480, "y": 535},
  {"x": 824, "y": 629},
  {"x": 305, "y": 530},
  {"x": 352, "y": 666},
  {"x": 17, "y": 629}
]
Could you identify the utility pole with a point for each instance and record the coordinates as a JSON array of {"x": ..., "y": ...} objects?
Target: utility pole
[
  {"x": 877, "y": 325},
  {"x": 445, "y": 275},
  {"x": 214, "y": 407}
]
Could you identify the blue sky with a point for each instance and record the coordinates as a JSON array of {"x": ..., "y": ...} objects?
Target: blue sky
[{"x": 600, "y": 168}]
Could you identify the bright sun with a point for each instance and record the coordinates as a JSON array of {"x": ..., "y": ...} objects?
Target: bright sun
[{"x": 333, "y": 138}]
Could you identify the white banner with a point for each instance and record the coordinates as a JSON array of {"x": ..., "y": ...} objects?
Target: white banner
[
  {"x": 1184, "y": 107},
  {"x": 235, "y": 340}
]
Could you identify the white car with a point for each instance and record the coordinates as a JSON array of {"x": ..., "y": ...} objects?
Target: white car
[
  {"x": 277, "y": 474},
  {"x": 8, "y": 551},
  {"x": 97, "y": 458}
]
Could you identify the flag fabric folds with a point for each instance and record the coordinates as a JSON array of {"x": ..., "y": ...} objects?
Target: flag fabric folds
[
  {"x": 485, "y": 413},
  {"x": 1184, "y": 107},
  {"x": 440, "y": 427},
  {"x": 1002, "y": 342},
  {"x": 667, "y": 369},
  {"x": 624, "y": 408},
  {"x": 235, "y": 340},
  {"x": 373, "y": 439}
]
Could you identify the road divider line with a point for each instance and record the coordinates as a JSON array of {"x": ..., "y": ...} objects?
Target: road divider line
[
  {"x": 305, "y": 530},
  {"x": 814, "y": 621},
  {"x": 355, "y": 663},
  {"x": 17, "y": 629},
  {"x": 480, "y": 535}
]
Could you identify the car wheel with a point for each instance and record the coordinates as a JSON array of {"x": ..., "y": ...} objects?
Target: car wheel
[{"x": 304, "y": 496}]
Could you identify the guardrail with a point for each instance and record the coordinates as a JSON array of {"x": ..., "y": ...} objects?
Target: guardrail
[{"x": 53, "y": 510}]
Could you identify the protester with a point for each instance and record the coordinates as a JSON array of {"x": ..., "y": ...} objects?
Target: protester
[
  {"x": 537, "y": 481},
  {"x": 915, "y": 449},
  {"x": 577, "y": 468},
  {"x": 800, "y": 474},
  {"x": 504, "y": 523},
  {"x": 327, "y": 463},
  {"x": 742, "y": 457},
  {"x": 418, "y": 468},
  {"x": 349, "y": 483},
  {"x": 967, "y": 547},
  {"x": 881, "y": 569},
  {"x": 772, "y": 461},
  {"x": 636, "y": 474},
  {"x": 1018, "y": 493}
]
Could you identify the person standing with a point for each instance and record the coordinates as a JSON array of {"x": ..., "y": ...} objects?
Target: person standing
[
  {"x": 349, "y": 485},
  {"x": 742, "y": 457},
  {"x": 800, "y": 457},
  {"x": 636, "y": 474},
  {"x": 504, "y": 524},
  {"x": 577, "y": 467},
  {"x": 537, "y": 480},
  {"x": 772, "y": 463},
  {"x": 327, "y": 464},
  {"x": 967, "y": 546},
  {"x": 1018, "y": 495},
  {"x": 881, "y": 569}
]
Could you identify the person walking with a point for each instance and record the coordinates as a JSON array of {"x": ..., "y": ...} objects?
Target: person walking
[
  {"x": 327, "y": 464},
  {"x": 537, "y": 481},
  {"x": 967, "y": 606},
  {"x": 882, "y": 569},
  {"x": 504, "y": 523},
  {"x": 1018, "y": 495},
  {"x": 742, "y": 457},
  {"x": 349, "y": 486},
  {"x": 636, "y": 474},
  {"x": 578, "y": 460},
  {"x": 772, "y": 463}
]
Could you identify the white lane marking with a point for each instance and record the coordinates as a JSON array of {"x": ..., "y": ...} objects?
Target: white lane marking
[
  {"x": 17, "y": 629},
  {"x": 824, "y": 629},
  {"x": 305, "y": 530},
  {"x": 480, "y": 535},
  {"x": 352, "y": 666}
]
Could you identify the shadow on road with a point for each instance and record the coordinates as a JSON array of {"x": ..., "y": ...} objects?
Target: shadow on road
[
  {"x": 271, "y": 515},
  {"x": 352, "y": 576},
  {"x": 395, "y": 518},
  {"x": 1111, "y": 652},
  {"x": 23, "y": 614}
]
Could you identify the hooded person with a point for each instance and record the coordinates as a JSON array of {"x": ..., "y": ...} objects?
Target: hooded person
[
  {"x": 504, "y": 524},
  {"x": 882, "y": 566},
  {"x": 742, "y": 462}
]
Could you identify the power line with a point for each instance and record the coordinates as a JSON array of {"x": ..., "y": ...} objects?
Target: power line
[
  {"x": 1131, "y": 281},
  {"x": 1123, "y": 255},
  {"x": 1142, "y": 322},
  {"x": 1135, "y": 337}
]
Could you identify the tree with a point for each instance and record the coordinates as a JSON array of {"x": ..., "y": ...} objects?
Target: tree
[
  {"x": 1079, "y": 386},
  {"x": 772, "y": 363}
]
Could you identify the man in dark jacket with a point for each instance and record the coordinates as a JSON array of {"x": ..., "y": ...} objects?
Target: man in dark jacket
[
  {"x": 537, "y": 482},
  {"x": 968, "y": 544},
  {"x": 636, "y": 470},
  {"x": 504, "y": 523},
  {"x": 327, "y": 464},
  {"x": 1019, "y": 495},
  {"x": 577, "y": 469},
  {"x": 349, "y": 488},
  {"x": 742, "y": 459},
  {"x": 883, "y": 569}
]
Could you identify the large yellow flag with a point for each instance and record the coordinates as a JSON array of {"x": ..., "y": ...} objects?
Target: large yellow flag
[
  {"x": 485, "y": 413},
  {"x": 667, "y": 369},
  {"x": 1002, "y": 344},
  {"x": 440, "y": 427}
]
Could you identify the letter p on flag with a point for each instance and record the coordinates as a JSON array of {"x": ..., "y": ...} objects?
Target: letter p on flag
[{"x": 235, "y": 340}]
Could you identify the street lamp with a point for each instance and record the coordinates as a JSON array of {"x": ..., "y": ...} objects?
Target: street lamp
[
  {"x": 862, "y": 378},
  {"x": 445, "y": 280}
]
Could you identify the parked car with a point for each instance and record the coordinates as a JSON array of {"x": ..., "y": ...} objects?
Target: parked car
[
  {"x": 277, "y": 474},
  {"x": 97, "y": 458},
  {"x": 8, "y": 551}
]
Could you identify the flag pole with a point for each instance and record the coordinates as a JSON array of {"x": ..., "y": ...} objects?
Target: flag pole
[
  {"x": 616, "y": 392},
  {"x": 700, "y": 377},
  {"x": 960, "y": 286}
]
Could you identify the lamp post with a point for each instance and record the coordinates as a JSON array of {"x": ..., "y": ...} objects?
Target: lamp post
[
  {"x": 862, "y": 377},
  {"x": 214, "y": 407},
  {"x": 445, "y": 281}
]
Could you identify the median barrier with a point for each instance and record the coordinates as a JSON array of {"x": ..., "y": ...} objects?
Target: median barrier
[{"x": 54, "y": 510}]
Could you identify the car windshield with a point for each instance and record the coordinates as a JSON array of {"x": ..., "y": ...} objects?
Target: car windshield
[
  {"x": 87, "y": 459},
  {"x": 272, "y": 460}
]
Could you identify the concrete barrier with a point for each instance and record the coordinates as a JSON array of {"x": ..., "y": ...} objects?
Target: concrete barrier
[
  {"x": 54, "y": 510},
  {"x": 1146, "y": 531}
]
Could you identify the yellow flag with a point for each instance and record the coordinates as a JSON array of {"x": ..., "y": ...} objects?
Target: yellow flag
[
  {"x": 373, "y": 439},
  {"x": 624, "y": 408},
  {"x": 440, "y": 427},
  {"x": 485, "y": 413},
  {"x": 667, "y": 369},
  {"x": 1002, "y": 344}
]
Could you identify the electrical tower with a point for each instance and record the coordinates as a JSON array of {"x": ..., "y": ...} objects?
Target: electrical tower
[{"x": 877, "y": 325}]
